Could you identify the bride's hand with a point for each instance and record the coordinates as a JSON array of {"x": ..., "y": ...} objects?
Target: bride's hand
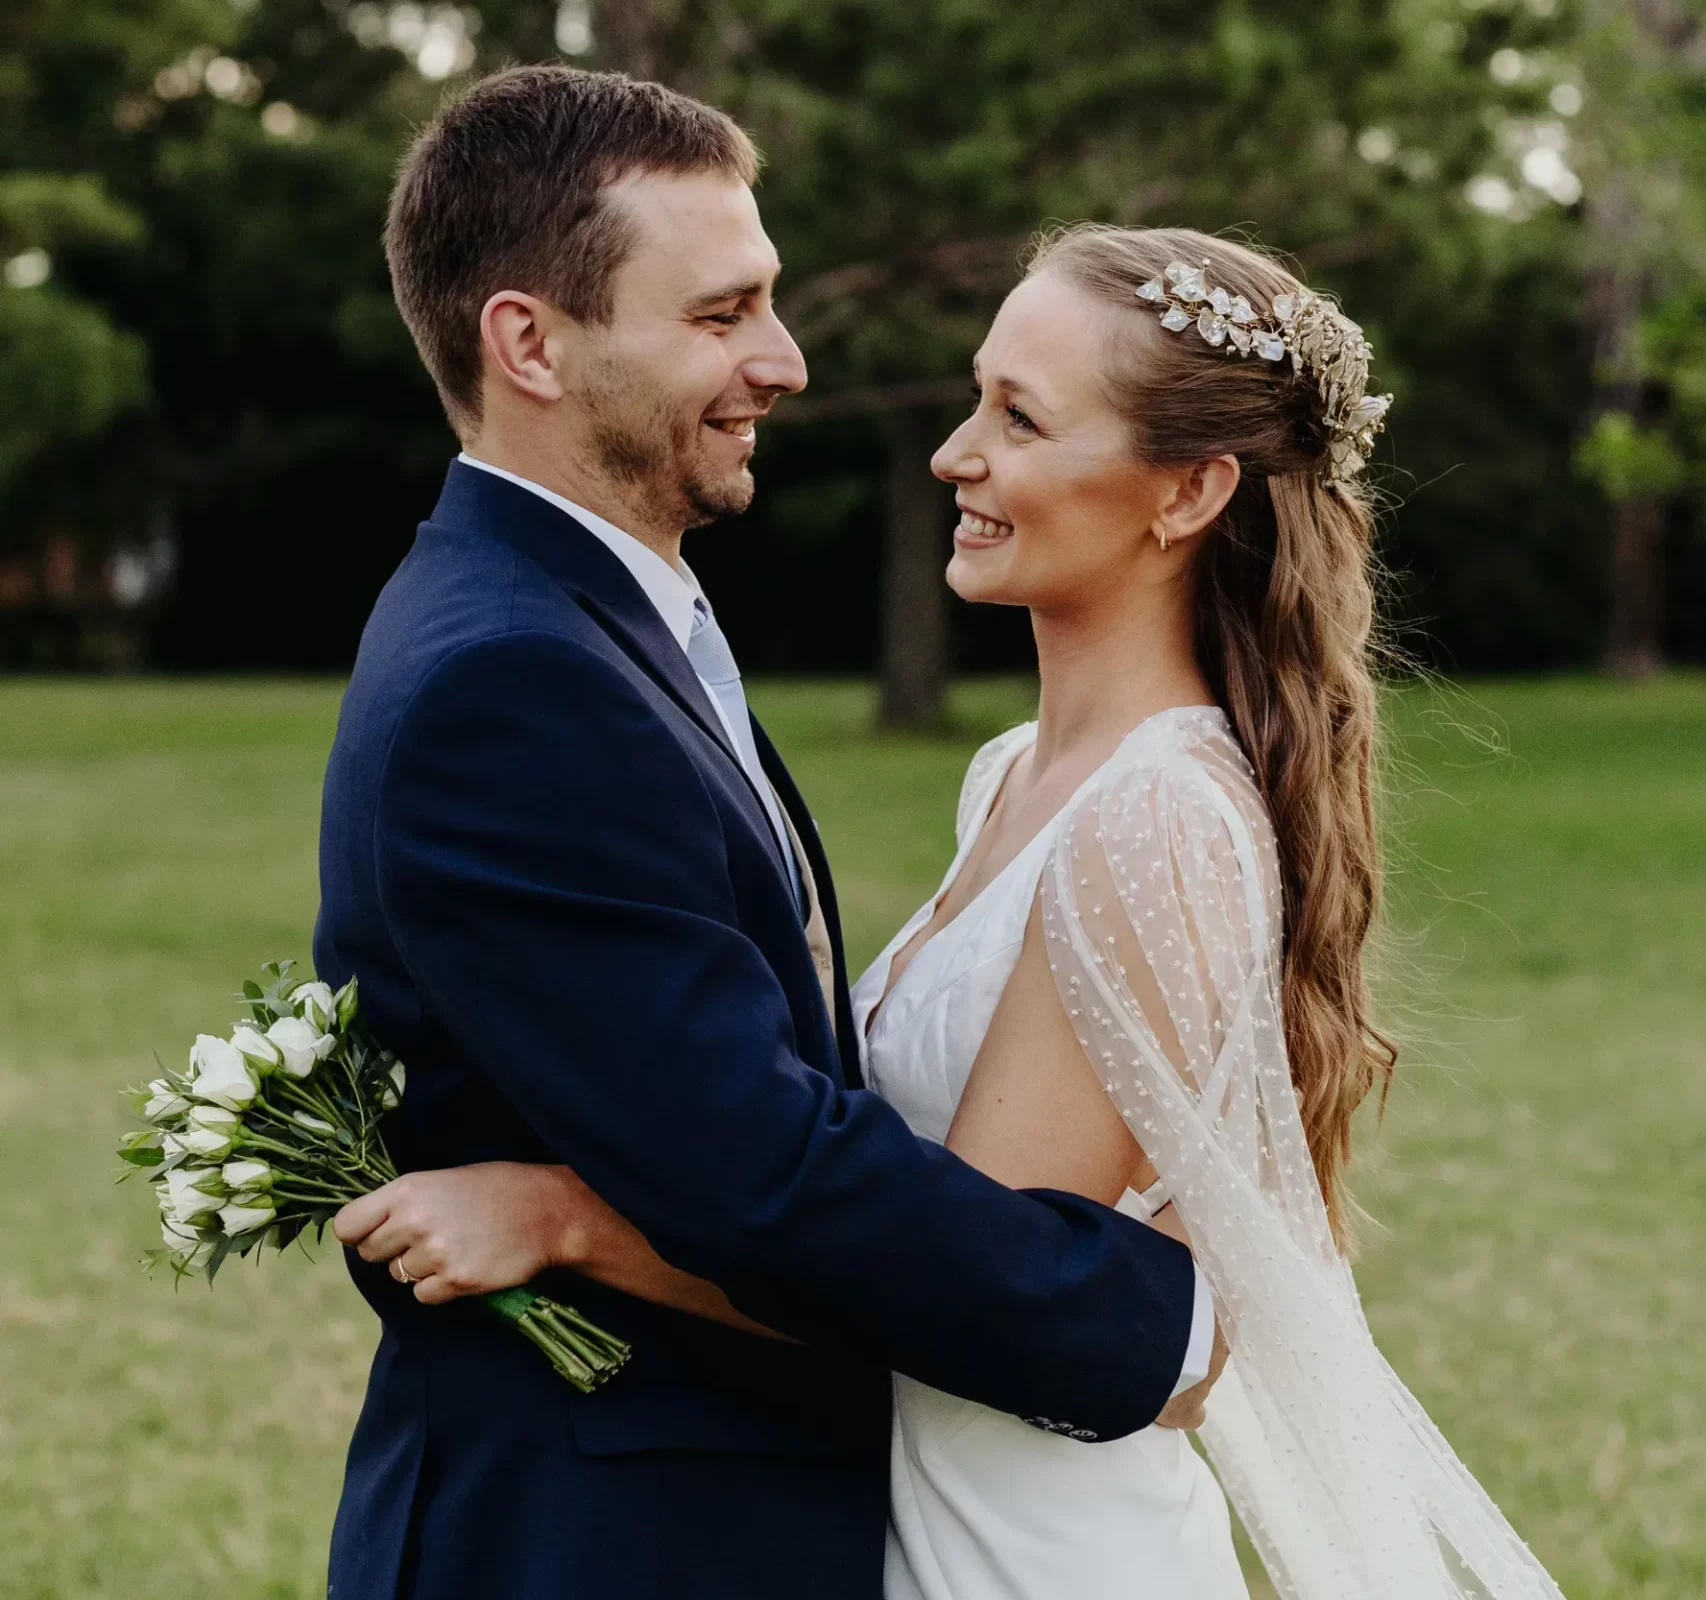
[
  {"x": 475, "y": 1229},
  {"x": 1187, "y": 1410}
]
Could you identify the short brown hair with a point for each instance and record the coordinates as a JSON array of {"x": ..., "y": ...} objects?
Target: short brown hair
[{"x": 505, "y": 190}]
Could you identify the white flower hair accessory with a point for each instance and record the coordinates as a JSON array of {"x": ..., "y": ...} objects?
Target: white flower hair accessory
[{"x": 1324, "y": 345}]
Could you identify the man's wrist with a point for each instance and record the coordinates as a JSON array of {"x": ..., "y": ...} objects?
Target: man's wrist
[{"x": 577, "y": 1239}]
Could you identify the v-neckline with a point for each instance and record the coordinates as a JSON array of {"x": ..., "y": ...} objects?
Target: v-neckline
[
  {"x": 892, "y": 980},
  {"x": 915, "y": 926}
]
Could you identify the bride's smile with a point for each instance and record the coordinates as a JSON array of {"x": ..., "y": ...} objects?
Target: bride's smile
[{"x": 1055, "y": 504}]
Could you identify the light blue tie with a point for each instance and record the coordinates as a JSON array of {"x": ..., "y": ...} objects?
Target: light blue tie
[{"x": 709, "y": 655}]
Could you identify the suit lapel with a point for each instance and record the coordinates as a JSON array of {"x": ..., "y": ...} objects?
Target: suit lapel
[
  {"x": 652, "y": 648},
  {"x": 788, "y": 795},
  {"x": 605, "y": 589}
]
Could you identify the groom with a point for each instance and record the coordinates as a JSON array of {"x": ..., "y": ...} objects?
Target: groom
[{"x": 589, "y": 909}]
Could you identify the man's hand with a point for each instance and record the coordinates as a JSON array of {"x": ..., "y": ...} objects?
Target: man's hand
[
  {"x": 1186, "y": 1410},
  {"x": 471, "y": 1230}
]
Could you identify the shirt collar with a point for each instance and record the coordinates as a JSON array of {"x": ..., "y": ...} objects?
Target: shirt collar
[{"x": 673, "y": 591}]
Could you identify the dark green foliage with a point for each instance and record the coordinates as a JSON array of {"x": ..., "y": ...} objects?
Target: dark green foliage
[{"x": 215, "y": 355}]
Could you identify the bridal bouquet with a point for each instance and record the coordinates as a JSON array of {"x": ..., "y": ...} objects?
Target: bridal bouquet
[{"x": 274, "y": 1130}]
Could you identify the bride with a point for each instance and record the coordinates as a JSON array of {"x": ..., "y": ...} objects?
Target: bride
[{"x": 1142, "y": 978}]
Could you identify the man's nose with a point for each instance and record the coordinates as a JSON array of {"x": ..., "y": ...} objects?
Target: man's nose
[{"x": 777, "y": 364}]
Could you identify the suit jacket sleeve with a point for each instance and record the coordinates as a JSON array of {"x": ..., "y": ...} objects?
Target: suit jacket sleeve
[{"x": 553, "y": 871}]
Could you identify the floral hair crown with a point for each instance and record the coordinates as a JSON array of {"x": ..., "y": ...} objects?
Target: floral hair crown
[{"x": 1323, "y": 343}]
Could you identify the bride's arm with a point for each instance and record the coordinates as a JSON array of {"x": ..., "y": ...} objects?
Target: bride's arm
[
  {"x": 1035, "y": 1116},
  {"x": 471, "y": 1230}
]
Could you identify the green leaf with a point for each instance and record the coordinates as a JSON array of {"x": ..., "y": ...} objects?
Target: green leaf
[
  {"x": 47, "y": 209},
  {"x": 220, "y": 1252},
  {"x": 1629, "y": 462},
  {"x": 287, "y": 1231},
  {"x": 66, "y": 371}
]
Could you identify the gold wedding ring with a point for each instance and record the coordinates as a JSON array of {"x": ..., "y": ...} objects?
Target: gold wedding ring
[{"x": 399, "y": 1271}]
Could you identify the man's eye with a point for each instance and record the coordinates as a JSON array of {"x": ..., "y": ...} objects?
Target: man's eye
[
  {"x": 728, "y": 318},
  {"x": 1020, "y": 420}
]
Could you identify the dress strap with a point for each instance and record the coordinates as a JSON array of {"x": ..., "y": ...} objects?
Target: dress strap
[{"x": 1155, "y": 1198}]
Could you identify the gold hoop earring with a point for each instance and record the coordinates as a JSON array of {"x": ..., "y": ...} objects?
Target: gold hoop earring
[{"x": 1161, "y": 539}]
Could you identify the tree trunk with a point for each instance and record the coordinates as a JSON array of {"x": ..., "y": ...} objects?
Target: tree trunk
[
  {"x": 1634, "y": 645},
  {"x": 1617, "y": 290},
  {"x": 916, "y": 547}
]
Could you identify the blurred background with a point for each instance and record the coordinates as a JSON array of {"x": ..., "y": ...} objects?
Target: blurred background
[
  {"x": 215, "y": 443},
  {"x": 202, "y": 375}
]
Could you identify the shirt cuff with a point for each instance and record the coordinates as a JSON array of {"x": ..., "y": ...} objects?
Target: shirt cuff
[{"x": 1200, "y": 1349}]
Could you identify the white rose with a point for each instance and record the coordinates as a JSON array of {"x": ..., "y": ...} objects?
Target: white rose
[
  {"x": 392, "y": 1098},
  {"x": 301, "y": 1045},
  {"x": 194, "y": 1192},
  {"x": 189, "y": 1249},
  {"x": 347, "y": 1002},
  {"x": 210, "y": 1132},
  {"x": 164, "y": 1102},
  {"x": 317, "y": 1004},
  {"x": 221, "y": 1074},
  {"x": 246, "y": 1175},
  {"x": 255, "y": 1046},
  {"x": 246, "y": 1219},
  {"x": 178, "y": 1237},
  {"x": 308, "y": 1120},
  {"x": 195, "y": 1258},
  {"x": 206, "y": 1143}
]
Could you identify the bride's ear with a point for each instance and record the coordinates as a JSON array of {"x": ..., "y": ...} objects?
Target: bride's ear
[
  {"x": 515, "y": 331},
  {"x": 1200, "y": 493}
]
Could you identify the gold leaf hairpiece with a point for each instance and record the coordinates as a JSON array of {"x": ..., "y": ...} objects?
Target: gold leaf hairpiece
[{"x": 1323, "y": 343}]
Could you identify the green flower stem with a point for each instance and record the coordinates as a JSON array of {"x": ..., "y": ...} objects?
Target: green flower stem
[
  {"x": 313, "y": 1193},
  {"x": 381, "y": 1168},
  {"x": 580, "y": 1350},
  {"x": 250, "y": 1140},
  {"x": 308, "y": 1099}
]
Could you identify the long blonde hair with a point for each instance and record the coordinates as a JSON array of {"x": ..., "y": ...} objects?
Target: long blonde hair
[{"x": 1285, "y": 617}]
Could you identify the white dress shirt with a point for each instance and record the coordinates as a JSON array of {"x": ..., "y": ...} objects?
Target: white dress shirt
[{"x": 672, "y": 592}]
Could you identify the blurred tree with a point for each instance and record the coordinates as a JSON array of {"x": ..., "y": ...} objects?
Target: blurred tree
[
  {"x": 66, "y": 369},
  {"x": 206, "y": 180},
  {"x": 1642, "y": 141},
  {"x": 915, "y": 147}
]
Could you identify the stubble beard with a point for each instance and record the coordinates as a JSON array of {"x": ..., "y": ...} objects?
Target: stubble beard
[{"x": 648, "y": 447}]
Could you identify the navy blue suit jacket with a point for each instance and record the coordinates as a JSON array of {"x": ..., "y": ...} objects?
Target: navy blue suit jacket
[{"x": 572, "y": 920}]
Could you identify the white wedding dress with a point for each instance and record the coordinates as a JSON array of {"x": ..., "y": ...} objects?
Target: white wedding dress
[{"x": 1161, "y": 905}]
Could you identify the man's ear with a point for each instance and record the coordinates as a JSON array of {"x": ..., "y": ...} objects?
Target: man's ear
[
  {"x": 514, "y": 330},
  {"x": 1199, "y": 495}
]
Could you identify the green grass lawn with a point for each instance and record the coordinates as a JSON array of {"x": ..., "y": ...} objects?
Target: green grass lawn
[{"x": 1539, "y": 1179}]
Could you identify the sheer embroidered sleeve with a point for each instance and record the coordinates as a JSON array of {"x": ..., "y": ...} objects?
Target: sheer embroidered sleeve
[{"x": 1162, "y": 910}]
